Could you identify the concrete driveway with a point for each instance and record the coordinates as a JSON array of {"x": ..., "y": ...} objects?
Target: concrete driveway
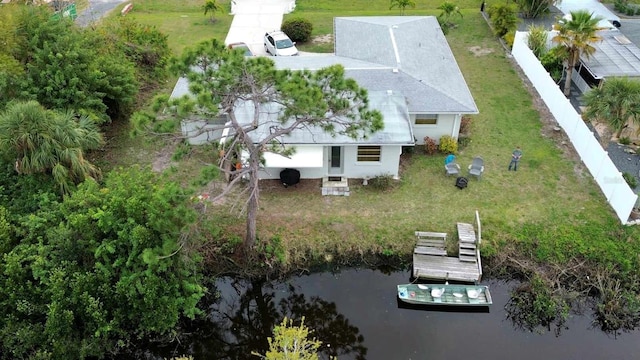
[{"x": 252, "y": 18}]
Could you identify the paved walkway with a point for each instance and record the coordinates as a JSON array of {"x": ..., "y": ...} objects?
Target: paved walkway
[{"x": 252, "y": 18}]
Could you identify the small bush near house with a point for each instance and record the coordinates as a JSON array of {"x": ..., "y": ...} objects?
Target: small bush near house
[
  {"x": 503, "y": 18},
  {"x": 430, "y": 146},
  {"x": 552, "y": 62},
  {"x": 465, "y": 125},
  {"x": 448, "y": 145},
  {"x": 630, "y": 179},
  {"x": 382, "y": 182},
  {"x": 509, "y": 38},
  {"x": 463, "y": 142},
  {"x": 537, "y": 40},
  {"x": 298, "y": 29}
]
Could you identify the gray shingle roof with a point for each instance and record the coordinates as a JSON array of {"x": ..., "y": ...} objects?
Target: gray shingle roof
[{"x": 416, "y": 46}]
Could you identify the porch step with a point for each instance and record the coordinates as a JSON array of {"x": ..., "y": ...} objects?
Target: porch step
[{"x": 335, "y": 186}]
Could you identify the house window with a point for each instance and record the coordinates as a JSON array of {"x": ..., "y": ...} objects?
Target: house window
[
  {"x": 369, "y": 153},
  {"x": 426, "y": 119}
]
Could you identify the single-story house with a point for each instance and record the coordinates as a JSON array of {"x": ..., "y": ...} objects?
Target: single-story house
[
  {"x": 412, "y": 78},
  {"x": 615, "y": 56}
]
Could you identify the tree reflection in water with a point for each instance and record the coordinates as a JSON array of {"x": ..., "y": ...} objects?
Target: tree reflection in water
[
  {"x": 247, "y": 318},
  {"x": 244, "y": 316}
]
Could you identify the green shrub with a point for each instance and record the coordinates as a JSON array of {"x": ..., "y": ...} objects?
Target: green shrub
[
  {"x": 509, "y": 38},
  {"x": 532, "y": 9},
  {"x": 298, "y": 29},
  {"x": 630, "y": 11},
  {"x": 503, "y": 18},
  {"x": 620, "y": 5},
  {"x": 275, "y": 250},
  {"x": 430, "y": 146},
  {"x": 537, "y": 40},
  {"x": 552, "y": 62},
  {"x": 382, "y": 182},
  {"x": 206, "y": 175},
  {"x": 630, "y": 179},
  {"x": 182, "y": 150},
  {"x": 448, "y": 145},
  {"x": 463, "y": 142},
  {"x": 625, "y": 140}
]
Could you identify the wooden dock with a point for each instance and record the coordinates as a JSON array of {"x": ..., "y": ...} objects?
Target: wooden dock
[{"x": 430, "y": 260}]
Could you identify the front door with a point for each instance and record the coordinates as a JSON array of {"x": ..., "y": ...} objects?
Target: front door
[{"x": 335, "y": 160}]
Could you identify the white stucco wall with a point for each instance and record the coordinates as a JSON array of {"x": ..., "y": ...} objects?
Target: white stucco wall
[
  {"x": 389, "y": 165},
  {"x": 447, "y": 124},
  {"x": 389, "y": 162}
]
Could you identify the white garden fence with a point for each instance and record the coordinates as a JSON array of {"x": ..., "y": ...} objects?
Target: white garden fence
[{"x": 619, "y": 195}]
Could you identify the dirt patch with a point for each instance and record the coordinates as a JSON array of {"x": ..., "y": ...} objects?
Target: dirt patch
[
  {"x": 480, "y": 51},
  {"x": 309, "y": 186},
  {"x": 162, "y": 159},
  {"x": 322, "y": 39}
]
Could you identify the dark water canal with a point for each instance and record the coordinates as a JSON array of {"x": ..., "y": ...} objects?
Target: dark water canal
[{"x": 357, "y": 316}]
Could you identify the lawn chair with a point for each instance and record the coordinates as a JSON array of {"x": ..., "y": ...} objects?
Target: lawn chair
[
  {"x": 477, "y": 167},
  {"x": 452, "y": 169}
]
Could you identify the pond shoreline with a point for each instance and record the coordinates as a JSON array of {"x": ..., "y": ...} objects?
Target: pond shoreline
[{"x": 560, "y": 288}]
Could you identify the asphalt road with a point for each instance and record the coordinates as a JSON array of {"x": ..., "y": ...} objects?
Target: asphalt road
[
  {"x": 631, "y": 29},
  {"x": 96, "y": 10}
]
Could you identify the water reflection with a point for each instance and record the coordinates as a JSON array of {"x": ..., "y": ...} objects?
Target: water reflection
[
  {"x": 357, "y": 313},
  {"x": 251, "y": 308}
]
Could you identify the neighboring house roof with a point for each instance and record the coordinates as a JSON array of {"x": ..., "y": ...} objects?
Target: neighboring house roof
[
  {"x": 615, "y": 55},
  {"x": 397, "y": 128},
  {"x": 407, "y": 54}
]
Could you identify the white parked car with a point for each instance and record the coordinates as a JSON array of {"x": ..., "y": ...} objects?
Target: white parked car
[{"x": 278, "y": 43}]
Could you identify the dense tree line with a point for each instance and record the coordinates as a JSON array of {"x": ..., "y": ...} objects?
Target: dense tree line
[
  {"x": 88, "y": 264},
  {"x": 73, "y": 81},
  {"x": 85, "y": 275},
  {"x": 97, "y": 72}
]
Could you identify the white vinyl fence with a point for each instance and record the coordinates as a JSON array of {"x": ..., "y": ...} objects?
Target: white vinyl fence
[{"x": 619, "y": 195}]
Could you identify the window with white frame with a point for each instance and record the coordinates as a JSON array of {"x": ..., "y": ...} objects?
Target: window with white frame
[
  {"x": 426, "y": 119},
  {"x": 369, "y": 153}
]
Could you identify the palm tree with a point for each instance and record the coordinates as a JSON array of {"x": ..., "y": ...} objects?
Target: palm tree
[
  {"x": 575, "y": 36},
  {"x": 617, "y": 101},
  {"x": 45, "y": 141},
  {"x": 402, "y": 4},
  {"x": 448, "y": 10},
  {"x": 211, "y": 7}
]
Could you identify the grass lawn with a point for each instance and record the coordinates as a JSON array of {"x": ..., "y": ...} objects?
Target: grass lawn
[
  {"x": 551, "y": 206},
  {"x": 183, "y": 21},
  {"x": 547, "y": 189}
]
